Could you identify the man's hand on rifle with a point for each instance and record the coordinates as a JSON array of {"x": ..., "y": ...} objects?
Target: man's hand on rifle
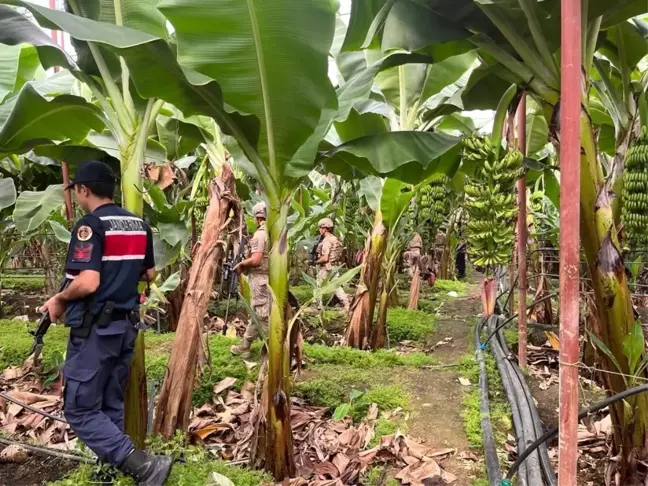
[
  {"x": 55, "y": 306},
  {"x": 238, "y": 268}
]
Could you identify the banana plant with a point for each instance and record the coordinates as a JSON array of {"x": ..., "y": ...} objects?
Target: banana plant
[{"x": 519, "y": 45}]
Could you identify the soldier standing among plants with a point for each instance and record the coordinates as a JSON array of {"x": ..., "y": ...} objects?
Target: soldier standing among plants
[
  {"x": 329, "y": 255},
  {"x": 257, "y": 269},
  {"x": 110, "y": 251}
]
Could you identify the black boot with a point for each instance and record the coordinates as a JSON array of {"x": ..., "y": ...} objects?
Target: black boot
[{"x": 147, "y": 470}]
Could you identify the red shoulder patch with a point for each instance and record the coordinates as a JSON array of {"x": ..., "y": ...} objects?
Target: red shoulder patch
[{"x": 82, "y": 252}]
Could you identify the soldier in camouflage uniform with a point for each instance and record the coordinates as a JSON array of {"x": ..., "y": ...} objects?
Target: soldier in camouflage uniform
[
  {"x": 329, "y": 255},
  {"x": 257, "y": 270}
]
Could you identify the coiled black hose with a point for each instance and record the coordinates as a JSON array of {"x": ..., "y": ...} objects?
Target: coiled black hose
[
  {"x": 551, "y": 433},
  {"x": 493, "y": 470}
]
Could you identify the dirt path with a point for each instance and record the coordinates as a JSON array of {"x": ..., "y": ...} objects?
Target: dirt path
[{"x": 438, "y": 395}]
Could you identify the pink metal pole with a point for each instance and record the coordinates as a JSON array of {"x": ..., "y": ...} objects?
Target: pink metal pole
[
  {"x": 522, "y": 240},
  {"x": 570, "y": 112},
  {"x": 54, "y": 33}
]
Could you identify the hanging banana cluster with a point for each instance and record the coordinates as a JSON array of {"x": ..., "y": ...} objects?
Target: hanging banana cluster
[
  {"x": 490, "y": 202},
  {"x": 351, "y": 208},
  {"x": 432, "y": 205},
  {"x": 635, "y": 192}
]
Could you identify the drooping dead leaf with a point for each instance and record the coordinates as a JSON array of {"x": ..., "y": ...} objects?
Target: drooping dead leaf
[
  {"x": 166, "y": 176},
  {"x": 224, "y": 384},
  {"x": 205, "y": 432},
  {"x": 553, "y": 340}
]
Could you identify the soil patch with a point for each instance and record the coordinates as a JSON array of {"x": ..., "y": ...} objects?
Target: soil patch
[{"x": 35, "y": 471}]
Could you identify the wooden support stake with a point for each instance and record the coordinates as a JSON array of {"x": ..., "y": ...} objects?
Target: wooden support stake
[
  {"x": 570, "y": 109},
  {"x": 522, "y": 241}
]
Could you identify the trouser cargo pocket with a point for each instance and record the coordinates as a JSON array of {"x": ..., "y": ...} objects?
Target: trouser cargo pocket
[{"x": 81, "y": 388}]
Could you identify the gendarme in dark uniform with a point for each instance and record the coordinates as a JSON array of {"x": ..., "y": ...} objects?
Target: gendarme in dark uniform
[{"x": 110, "y": 251}]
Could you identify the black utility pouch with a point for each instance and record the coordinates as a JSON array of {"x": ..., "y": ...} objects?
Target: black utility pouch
[{"x": 105, "y": 317}]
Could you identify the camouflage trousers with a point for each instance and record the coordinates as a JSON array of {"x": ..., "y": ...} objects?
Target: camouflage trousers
[
  {"x": 322, "y": 274},
  {"x": 260, "y": 304}
]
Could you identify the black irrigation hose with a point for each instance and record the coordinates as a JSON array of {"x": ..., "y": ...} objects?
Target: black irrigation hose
[
  {"x": 526, "y": 432},
  {"x": 545, "y": 463},
  {"x": 490, "y": 451},
  {"x": 49, "y": 451},
  {"x": 32, "y": 409},
  {"x": 551, "y": 433},
  {"x": 515, "y": 414},
  {"x": 514, "y": 316}
]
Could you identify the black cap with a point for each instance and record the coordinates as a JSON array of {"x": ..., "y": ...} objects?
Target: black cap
[{"x": 92, "y": 171}]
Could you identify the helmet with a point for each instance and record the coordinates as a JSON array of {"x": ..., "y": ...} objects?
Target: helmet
[
  {"x": 325, "y": 223},
  {"x": 259, "y": 210}
]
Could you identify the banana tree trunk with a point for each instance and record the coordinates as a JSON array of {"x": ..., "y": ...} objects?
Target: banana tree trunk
[
  {"x": 379, "y": 334},
  {"x": 278, "y": 454},
  {"x": 174, "y": 404},
  {"x": 364, "y": 302},
  {"x": 613, "y": 304},
  {"x": 415, "y": 289},
  {"x": 135, "y": 406},
  {"x": 445, "y": 272}
]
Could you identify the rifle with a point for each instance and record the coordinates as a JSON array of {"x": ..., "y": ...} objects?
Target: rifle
[
  {"x": 43, "y": 326},
  {"x": 313, "y": 253},
  {"x": 230, "y": 276}
]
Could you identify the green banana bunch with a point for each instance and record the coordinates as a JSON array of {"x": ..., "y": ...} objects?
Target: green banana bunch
[
  {"x": 351, "y": 208},
  {"x": 635, "y": 192},
  {"x": 432, "y": 205},
  {"x": 490, "y": 201}
]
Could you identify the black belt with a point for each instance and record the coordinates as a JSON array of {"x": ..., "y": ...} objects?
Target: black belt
[{"x": 121, "y": 315}]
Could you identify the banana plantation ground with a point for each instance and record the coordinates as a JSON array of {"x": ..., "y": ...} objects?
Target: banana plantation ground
[{"x": 365, "y": 416}]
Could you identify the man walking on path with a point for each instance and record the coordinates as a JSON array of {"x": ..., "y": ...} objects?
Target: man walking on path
[
  {"x": 257, "y": 269},
  {"x": 110, "y": 251},
  {"x": 329, "y": 255}
]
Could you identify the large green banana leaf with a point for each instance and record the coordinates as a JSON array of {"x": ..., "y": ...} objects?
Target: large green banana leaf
[
  {"x": 394, "y": 201},
  {"x": 412, "y": 26},
  {"x": 358, "y": 88},
  {"x": 407, "y": 156},
  {"x": 424, "y": 81},
  {"x": 18, "y": 64},
  {"x": 72, "y": 153},
  {"x": 141, "y": 15},
  {"x": 7, "y": 192},
  {"x": 32, "y": 120},
  {"x": 137, "y": 14},
  {"x": 33, "y": 207},
  {"x": 271, "y": 60},
  {"x": 363, "y": 13},
  {"x": 615, "y": 12}
]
